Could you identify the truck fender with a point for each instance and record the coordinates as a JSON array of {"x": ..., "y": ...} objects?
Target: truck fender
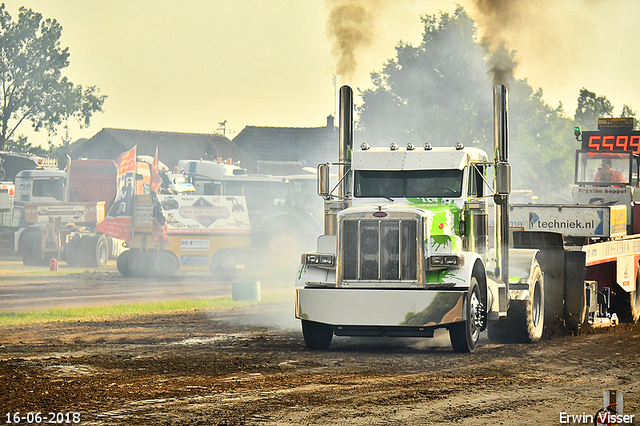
[
  {"x": 314, "y": 275},
  {"x": 521, "y": 263},
  {"x": 16, "y": 240},
  {"x": 462, "y": 275},
  {"x": 473, "y": 266}
]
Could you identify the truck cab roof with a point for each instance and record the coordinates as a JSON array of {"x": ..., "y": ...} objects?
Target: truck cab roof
[{"x": 414, "y": 158}]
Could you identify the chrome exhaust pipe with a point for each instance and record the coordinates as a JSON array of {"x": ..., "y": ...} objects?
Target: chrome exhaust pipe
[
  {"x": 346, "y": 140},
  {"x": 345, "y": 147},
  {"x": 503, "y": 181}
]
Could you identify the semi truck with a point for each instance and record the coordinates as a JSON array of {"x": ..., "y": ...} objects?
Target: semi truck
[
  {"x": 408, "y": 249},
  {"x": 285, "y": 215},
  {"x": 55, "y": 213},
  {"x": 170, "y": 228}
]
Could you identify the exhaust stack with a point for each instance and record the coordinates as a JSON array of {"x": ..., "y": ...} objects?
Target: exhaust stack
[
  {"x": 345, "y": 147},
  {"x": 346, "y": 140},
  {"x": 503, "y": 181}
]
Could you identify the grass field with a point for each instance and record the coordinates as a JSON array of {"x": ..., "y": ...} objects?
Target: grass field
[
  {"x": 9, "y": 319},
  {"x": 14, "y": 269}
]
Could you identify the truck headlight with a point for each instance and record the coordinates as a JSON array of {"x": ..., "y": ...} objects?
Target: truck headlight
[
  {"x": 446, "y": 261},
  {"x": 318, "y": 259}
]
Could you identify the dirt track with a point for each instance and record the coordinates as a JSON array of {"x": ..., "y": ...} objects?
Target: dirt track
[{"x": 249, "y": 365}]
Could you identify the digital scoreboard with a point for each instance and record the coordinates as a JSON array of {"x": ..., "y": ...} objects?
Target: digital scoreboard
[{"x": 614, "y": 134}]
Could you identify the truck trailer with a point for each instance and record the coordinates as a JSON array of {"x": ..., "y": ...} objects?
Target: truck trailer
[{"x": 407, "y": 247}]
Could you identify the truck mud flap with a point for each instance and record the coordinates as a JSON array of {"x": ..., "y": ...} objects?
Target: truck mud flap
[{"x": 575, "y": 298}]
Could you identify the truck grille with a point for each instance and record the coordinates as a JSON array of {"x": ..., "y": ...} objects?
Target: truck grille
[{"x": 383, "y": 250}]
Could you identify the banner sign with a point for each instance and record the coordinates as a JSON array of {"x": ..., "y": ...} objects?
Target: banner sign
[
  {"x": 119, "y": 221},
  {"x": 205, "y": 214}
]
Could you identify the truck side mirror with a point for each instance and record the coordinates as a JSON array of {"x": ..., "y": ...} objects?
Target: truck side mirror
[{"x": 324, "y": 189}]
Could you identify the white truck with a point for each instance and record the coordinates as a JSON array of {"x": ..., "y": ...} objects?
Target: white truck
[
  {"x": 406, "y": 250},
  {"x": 55, "y": 213}
]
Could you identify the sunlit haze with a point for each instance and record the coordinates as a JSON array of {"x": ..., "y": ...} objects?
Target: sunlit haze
[{"x": 186, "y": 66}]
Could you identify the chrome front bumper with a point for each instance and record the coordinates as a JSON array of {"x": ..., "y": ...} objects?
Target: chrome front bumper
[{"x": 380, "y": 307}]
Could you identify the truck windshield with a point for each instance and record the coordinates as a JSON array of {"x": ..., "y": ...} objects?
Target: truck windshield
[
  {"x": 603, "y": 168},
  {"x": 49, "y": 187},
  {"x": 408, "y": 183}
]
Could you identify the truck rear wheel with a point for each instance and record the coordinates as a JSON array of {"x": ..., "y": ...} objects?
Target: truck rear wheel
[
  {"x": 525, "y": 318},
  {"x": 165, "y": 264},
  {"x": 317, "y": 336},
  {"x": 74, "y": 255},
  {"x": 141, "y": 263},
  {"x": 134, "y": 263},
  {"x": 464, "y": 335},
  {"x": 626, "y": 305},
  {"x": 634, "y": 305},
  {"x": 227, "y": 264},
  {"x": 123, "y": 263}
]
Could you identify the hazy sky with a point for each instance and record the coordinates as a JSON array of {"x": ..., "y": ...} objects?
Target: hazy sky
[{"x": 187, "y": 65}]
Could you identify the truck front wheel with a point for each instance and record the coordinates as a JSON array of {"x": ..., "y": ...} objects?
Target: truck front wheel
[
  {"x": 31, "y": 248},
  {"x": 97, "y": 251},
  {"x": 317, "y": 336},
  {"x": 464, "y": 335}
]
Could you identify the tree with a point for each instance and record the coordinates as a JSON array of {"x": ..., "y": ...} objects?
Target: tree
[
  {"x": 441, "y": 92},
  {"x": 21, "y": 144},
  {"x": 590, "y": 108},
  {"x": 32, "y": 87},
  {"x": 437, "y": 92},
  {"x": 628, "y": 112}
]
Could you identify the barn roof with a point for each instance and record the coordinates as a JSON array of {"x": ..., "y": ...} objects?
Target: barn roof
[{"x": 172, "y": 146}]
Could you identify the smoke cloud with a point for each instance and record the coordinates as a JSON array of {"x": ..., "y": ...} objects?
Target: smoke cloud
[
  {"x": 351, "y": 26},
  {"x": 495, "y": 20}
]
